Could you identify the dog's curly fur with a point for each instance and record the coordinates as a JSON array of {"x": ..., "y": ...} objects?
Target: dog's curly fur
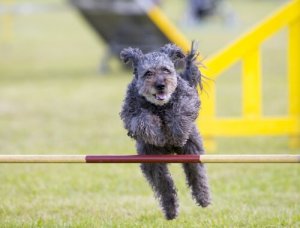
[{"x": 159, "y": 111}]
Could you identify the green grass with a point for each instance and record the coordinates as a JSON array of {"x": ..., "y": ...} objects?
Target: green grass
[{"x": 52, "y": 101}]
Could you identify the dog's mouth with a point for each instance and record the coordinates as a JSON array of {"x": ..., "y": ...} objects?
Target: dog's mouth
[{"x": 160, "y": 96}]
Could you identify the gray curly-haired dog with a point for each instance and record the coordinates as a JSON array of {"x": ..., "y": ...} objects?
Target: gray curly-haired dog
[{"x": 159, "y": 111}]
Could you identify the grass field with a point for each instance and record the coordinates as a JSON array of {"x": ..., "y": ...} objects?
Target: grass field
[{"x": 52, "y": 101}]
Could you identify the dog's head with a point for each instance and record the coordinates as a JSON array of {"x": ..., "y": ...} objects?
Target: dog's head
[{"x": 155, "y": 72}]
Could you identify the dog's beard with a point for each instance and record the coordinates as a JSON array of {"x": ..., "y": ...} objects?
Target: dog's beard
[{"x": 157, "y": 97}]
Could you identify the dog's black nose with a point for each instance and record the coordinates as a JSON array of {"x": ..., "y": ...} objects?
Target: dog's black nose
[{"x": 160, "y": 86}]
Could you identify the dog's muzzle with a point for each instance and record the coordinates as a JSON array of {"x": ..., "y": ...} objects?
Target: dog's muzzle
[{"x": 160, "y": 95}]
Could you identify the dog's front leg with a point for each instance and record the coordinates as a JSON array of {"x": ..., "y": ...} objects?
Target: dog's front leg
[
  {"x": 148, "y": 128},
  {"x": 180, "y": 129},
  {"x": 180, "y": 120}
]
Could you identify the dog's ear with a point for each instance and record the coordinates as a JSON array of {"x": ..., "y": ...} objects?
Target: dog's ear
[
  {"x": 131, "y": 55},
  {"x": 174, "y": 52}
]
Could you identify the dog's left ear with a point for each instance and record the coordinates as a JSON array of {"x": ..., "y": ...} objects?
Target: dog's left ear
[{"x": 174, "y": 52}]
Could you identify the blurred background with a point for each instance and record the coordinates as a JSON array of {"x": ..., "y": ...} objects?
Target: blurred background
[{"x": 61, "y": 91}]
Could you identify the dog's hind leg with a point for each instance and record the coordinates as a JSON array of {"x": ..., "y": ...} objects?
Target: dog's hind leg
[
  {"x": 196, "y": 174},
  {"x": 197, "y": 181},
  {"x": 162, "y": 184}
]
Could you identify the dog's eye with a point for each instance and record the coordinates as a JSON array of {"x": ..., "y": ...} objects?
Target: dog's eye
[
  {"x": 148, "y": 74},
  {"x": 165, "y": 70}
]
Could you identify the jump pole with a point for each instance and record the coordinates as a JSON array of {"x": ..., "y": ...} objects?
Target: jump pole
[{"x": 250, "y": 158}]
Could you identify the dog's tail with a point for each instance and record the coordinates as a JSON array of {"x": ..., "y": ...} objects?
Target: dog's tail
[{"x": 191, "y": 72}]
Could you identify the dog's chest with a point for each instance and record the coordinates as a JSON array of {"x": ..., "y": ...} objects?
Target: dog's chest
[{"x": 165, "y": 113}]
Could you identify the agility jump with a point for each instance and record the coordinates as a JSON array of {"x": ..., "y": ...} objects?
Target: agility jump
[{"x": 228, "y": 158}]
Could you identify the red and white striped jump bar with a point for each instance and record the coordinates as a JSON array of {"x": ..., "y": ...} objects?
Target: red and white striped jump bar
[{"x": 253, "y": 158}]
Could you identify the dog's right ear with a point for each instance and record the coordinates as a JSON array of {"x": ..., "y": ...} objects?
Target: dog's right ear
[{"x": 131, "y": 55}]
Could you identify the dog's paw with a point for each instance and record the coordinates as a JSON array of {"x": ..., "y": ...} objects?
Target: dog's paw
[
  {"x": 159, "y": 141},
  {"x": 179, "y": 143},
  {"x": 178, "y": 140},
  {"x": 170, "y": 206},
  {"x": 204, "y": 203},
  {"x": 203, "y": 199},
  {"x": 171, "y": 212},
  {"x": 171, "y": 215}
]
